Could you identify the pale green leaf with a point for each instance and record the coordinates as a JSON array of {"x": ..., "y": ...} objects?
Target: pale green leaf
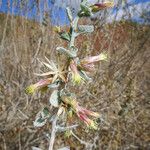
[
  {"x": 69, "y": 13},
  {"x": 54, "y": 98},
  {"x": 85, "y": 28}
]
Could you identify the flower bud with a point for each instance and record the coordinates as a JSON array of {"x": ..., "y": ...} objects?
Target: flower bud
[
  {"x": 90, "y": 123},
  {"x": 60, "y": 111},
  {"x": 57, "y": 29},
  {"x": 100, "y": 6}
]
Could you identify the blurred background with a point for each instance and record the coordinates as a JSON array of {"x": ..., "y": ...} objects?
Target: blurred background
[{"x": 120, "y": 87}]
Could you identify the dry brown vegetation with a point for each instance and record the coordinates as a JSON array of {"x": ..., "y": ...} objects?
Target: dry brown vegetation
[{"x": 119, "y": 91}]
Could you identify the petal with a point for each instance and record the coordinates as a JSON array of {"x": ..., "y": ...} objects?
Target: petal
[{"x": 91, "y": 113}]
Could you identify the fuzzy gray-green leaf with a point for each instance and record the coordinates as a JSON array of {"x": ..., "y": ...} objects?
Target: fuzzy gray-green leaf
[
  {"x": 54, "y": 98},
  {"x": 69, "y": 13},
  {"x": 41, "y": 118},
  {"x": 65, "y": 36},
  {"x": 85, "y": 28},
  {"x": 85, "y": 10},
  {"x": 67, "y": 52}
]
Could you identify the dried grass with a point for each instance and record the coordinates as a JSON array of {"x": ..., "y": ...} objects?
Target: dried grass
[{"x": 119, "y": 90}]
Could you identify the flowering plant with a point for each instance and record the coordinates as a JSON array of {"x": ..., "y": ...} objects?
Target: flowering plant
[{"x": 75, "y": 70}]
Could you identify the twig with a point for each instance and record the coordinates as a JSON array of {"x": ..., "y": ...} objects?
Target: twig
[
  {"x": 38, "y": 49},
  {"x": 87, "y": 145},
  {"x": 59, "y": 128},
  {"x": 4, "y": 32},
  {"x": 4, "y": 141},
  {"x": 19, "y": 142}
]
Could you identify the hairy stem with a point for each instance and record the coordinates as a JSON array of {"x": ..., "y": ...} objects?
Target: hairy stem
[
  {"x": 54, "y": 127},
  {"x": 74, "y": 28},
  {"x": 53, "y": 133}
]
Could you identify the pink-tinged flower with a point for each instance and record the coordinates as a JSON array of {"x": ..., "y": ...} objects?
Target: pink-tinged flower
[
  {"x": 87, "y": 64},
  {"x": 91, "y": 113},
  {"x": 85, "y": 111},
  {"x": 100, "y": 6},
  {"x": 89, "y": 122},
  {"x": 75, "y": 73},
  {"x": 41, "y": 84},
  {"x": 94, "y": 59},
  {"x": 81, "y": 112},
  {"x": 89, "y": 67}
]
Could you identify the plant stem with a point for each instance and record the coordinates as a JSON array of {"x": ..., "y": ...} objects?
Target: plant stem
[
  {"x": 59, "y": 128},
  {"x": 54, "y": 127},
  {"x": 74, "y": 28},
  {"x": 72, "y": 39},
  {"x": 53, "y": 134}
]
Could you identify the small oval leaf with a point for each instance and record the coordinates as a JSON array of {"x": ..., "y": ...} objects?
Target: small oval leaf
[
  {"x": 85, "y": 28},
  {"x": 54, "y": 98},
  {"x": 71, "y": 54}
]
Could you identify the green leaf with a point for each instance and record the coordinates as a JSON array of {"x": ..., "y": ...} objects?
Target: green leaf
[
  {"x": 65, "y": 36},
  {"x": 45, "y": 112},
  {"x": 54, "y": 85},
  {"x": 41, "y": 117},
  {"x": 70, "y": 53},
  {"x": 85, "y": 28},
  {"x": 69, "y": 13},
  {"x": 54, "y": 98},
  {"x": 85, "y": 10}
]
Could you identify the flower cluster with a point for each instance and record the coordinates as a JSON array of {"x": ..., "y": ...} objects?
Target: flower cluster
[{"x": 82, "y": 112}]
